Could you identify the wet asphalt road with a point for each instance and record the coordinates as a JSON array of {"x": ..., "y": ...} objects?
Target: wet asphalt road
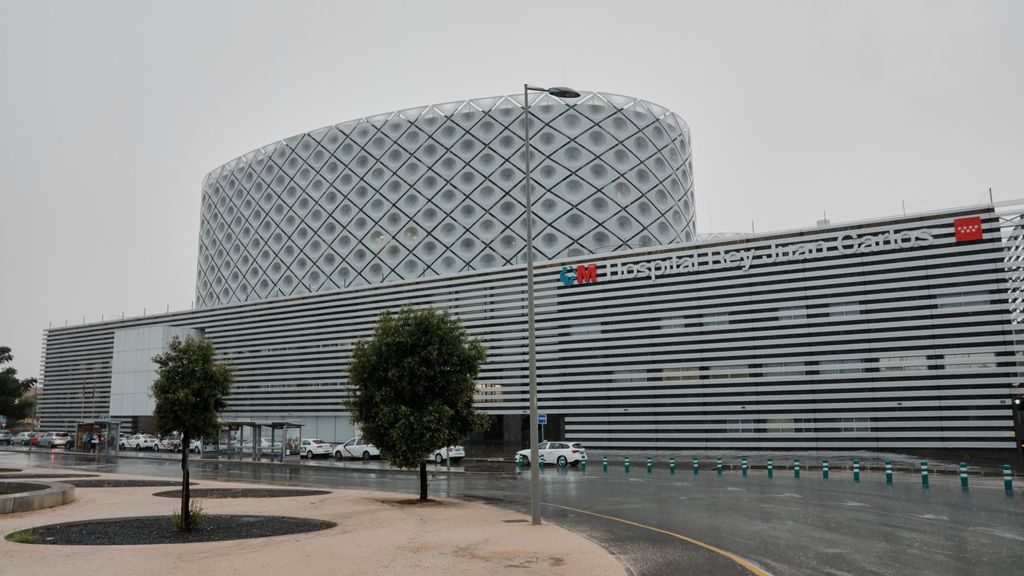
[{"x": 783, "y": 525}]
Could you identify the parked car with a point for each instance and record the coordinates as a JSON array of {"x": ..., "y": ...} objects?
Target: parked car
[
  {"x": 62, "y": 440},
  {"x": 356, "y": 448},
  {"x": 311, "y": 447},
  {"x": 22, "y": 438},
  {"x": 168, "y": 443},
  {"x": 560, "y": 453},
  {"x": 456, "y": 453},
  {"x": 54, "y": 440},
  {"x": 266, "y": 449},
  {"x": 142, "y": 441},
  {"x": 5, "y": 437},
  {"x": 579, "y": 446}
]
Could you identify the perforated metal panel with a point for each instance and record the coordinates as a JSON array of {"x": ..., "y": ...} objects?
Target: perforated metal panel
[{"x": 440, "y": 189}]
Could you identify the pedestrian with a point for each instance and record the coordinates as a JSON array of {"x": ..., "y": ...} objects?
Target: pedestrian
[
  {"x": 86, "y": 442},
  {"x": 95, "y": 442}
]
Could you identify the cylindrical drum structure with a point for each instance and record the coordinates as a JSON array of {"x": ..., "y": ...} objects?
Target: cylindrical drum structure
[{"x": 437, "y": 190}]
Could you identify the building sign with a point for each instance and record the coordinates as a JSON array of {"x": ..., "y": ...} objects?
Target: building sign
[
  {"x": 968, "y": 228},
  {"x": 845, "y": 244},
  {"x": 583, "y": 274}
]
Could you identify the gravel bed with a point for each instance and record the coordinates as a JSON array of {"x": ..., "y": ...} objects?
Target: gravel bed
[
  {"x": 106, "y": 483},
  {"x": 41, "y": 476},
  {"x": 158, "y": 530},
  {"x": 243, "y": 493}
]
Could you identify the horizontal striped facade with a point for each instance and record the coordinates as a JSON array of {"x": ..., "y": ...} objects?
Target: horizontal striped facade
[{"x": 897, "y": 348}]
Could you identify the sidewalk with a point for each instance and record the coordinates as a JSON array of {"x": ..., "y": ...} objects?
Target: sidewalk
[{"x": 373, "y": 536}]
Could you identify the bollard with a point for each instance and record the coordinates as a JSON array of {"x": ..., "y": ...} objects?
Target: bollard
[
  {"x": 519, "y": 463},
  {"x": 924, "y": 473},
  {"x": 650, "y": 466},
  {"x": 771, "y": 466},
  {"x": 856, "y": 470},
  {"x": 627, "y": 464},
  {"x": 563, "y": 463},
  {"x": 696, "y": 466},
  {"x": 888, "y": 472},
  {"x": 1007, "y": 479},
  {"x": 672, "y": 465},
  {"x": 604, "y": 463},
  {"x": 583, "y": 465},
  {"x": 963, "y": 475},
  {"x": 824, "y": 468},
  {"x": 718, "y": 465},
  {"x": 796, "y": 467},
  {"x": 743, "y": 465},
  {"x": 541, "y": 462}
]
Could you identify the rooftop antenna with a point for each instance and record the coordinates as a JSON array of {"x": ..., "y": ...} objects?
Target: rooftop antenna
[
  {"x": 990, "y": 201},
  {"x": 752, "y": 227},
  {"x": 904, "y": 207}
]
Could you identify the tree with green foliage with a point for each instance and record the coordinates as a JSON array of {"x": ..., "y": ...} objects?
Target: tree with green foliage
[
  {"x": 412, "y": 386},
  {"x": 13, "y": 403},
  {"x": 189, "y": 393}
]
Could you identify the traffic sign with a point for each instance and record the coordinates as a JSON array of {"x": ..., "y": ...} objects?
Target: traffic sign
[{"x": 542, "y": 419}]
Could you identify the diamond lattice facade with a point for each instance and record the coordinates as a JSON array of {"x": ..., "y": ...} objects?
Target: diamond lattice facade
[{"x": 438, "y": 190}]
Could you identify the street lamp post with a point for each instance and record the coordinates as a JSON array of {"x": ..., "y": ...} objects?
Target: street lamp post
[{"x": 560, "y": 92}]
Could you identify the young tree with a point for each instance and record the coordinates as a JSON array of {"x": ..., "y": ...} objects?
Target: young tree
[
  {"x": 189, "y": 393},
  {"x": 12, "y": 405},
  {"x": 412, "y": 386}
]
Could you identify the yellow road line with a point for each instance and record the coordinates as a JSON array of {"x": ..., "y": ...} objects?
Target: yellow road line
[{"x": 757, "y": 571}]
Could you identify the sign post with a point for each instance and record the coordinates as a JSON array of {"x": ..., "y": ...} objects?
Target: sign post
[{"x": 542, "y": 419}]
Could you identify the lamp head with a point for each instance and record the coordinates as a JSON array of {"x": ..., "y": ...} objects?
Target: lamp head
[{"x": 563, "y": 92}]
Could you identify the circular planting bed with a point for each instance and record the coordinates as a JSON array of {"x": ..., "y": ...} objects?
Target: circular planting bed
[
  {"x": 109, "y": 483},
  {"x": 158, "y": 530},
  {"x": 243, "y": 493},
  {"x": 25, "y": 496}
]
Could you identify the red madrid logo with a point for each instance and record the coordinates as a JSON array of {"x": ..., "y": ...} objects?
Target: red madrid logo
[{"x": 967, "y": 228}]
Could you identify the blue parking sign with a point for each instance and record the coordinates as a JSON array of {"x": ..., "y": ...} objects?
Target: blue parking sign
[{"x": 542, "y": 419}]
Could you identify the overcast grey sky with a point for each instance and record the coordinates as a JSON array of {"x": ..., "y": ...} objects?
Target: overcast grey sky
[{"x": 111, "y": 113}]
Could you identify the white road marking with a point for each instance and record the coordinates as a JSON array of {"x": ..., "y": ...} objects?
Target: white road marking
[
  {"x": 930, "y": 517},
  {"x": 1000, "y": 533}
]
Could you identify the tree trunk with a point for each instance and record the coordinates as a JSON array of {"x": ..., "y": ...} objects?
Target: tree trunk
[
  {"x": 185, "y": 494},
  {"x": 423, "y": 480}
]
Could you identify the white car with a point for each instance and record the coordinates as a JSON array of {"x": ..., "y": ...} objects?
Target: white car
[
  {"x": 356, "y": 448},
  {"x": 579, "y": 447},
  {"x": 558, "y": 453},
  {"x": 456, "y": 453},
  {"x": 55, "y": 439},
  {"x": 22, "y": 438},
  {"x": 310, "y": 447},
  {"x": 167, "y": 444},
  {"x": 140, "y": 441}
]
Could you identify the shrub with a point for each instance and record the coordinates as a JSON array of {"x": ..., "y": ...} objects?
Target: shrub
[
  {"x": 24, "y": 537},
  {"x": 196, "y": 516}
]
